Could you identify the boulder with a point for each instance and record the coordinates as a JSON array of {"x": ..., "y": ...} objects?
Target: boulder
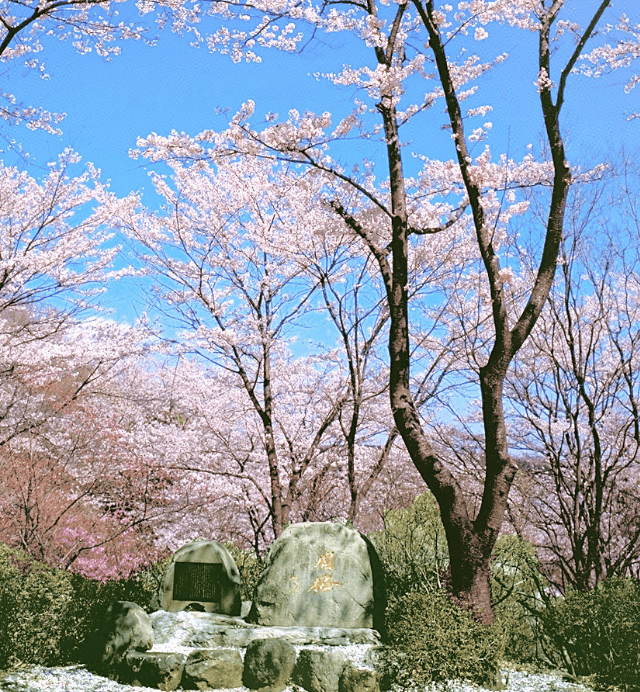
[
  {"x": 319, "y": 670},
  {"x": 159, "y": 669},
  {"x": 213, "y": 669},
  {"x": 268, "y": 665},
  {"x": 321, "y": 574},
  {"x": 126, "y": 627},
  {"x": 202, "y": 576},
  {"x": 354, "y": 679}
]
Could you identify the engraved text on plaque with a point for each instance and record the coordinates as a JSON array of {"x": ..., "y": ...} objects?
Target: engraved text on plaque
[{"x": 197, "y": 581}]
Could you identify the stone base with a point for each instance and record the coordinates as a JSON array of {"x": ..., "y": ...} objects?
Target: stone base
[{"x": 206, "y": 651}]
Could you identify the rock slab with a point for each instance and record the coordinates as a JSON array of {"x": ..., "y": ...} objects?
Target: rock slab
[
  {"x": 320, "y": 574},
  {"x": 155, "y": 669},
  {"x": 191, "y": 651},
  {"x": 318, "y": 670},
  {"x": 126, "y": 628},
  {"x": 207, "y": 630},
  {"x": 215, "y": 669},
  {"x": 268, "y": 665},
  {"x": 354, "y": 679}
]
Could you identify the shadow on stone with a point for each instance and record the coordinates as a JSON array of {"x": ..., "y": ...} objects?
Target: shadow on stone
[
  {"x": 155, "y": 669},
  {"x": 213, "y": 669},
  {"x": 125, "y": 627},
  {"x": 268, "y": 665},
  {"x": 355, "y": 679}
]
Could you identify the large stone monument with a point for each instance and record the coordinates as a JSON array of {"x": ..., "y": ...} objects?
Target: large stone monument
[
  {"x": 320, "y": 575},
  {"x": 202, "y": 576},
  {"x": 322, "y": 592}
]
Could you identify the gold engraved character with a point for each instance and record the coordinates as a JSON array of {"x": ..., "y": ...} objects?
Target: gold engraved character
[
  {"x": 325, "y": 561},
  {"x": 323, "y": 583},
  {"x": 294, "y": 584}
]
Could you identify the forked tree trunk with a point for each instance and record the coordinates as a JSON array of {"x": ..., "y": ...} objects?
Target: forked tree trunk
[{"x": 470, "y": 539}]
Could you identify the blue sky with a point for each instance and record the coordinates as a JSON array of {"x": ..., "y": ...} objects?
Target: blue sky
[
  {"x": 174, "y": 86},
  {"x": 171, "y": 85}
]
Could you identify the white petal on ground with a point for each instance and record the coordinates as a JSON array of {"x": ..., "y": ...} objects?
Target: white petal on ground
[{"x": 78, "y": 679}]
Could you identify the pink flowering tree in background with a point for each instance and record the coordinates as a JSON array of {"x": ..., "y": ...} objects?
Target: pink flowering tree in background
[
  {"x": 77, "y": 488},
  {"x": 405, "y": 59},
  {"x": 84, "y": 487},
  {"x": 243, "y": 286},
  {"x": 574, "y": 396}
]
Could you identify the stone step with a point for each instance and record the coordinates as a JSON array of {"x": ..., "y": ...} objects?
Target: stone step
[
  {"x": 269, "y": 665},
  {"x": 202, "y": 630}
]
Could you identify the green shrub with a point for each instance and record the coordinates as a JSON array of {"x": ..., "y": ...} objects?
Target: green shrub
[
  {"x": 143, "y": 587},
  {"x": 597, "y": 632},
  {"x": 34, "y": 605},
  {"x": 412, "y": 547},
  {"x": 50, "y": 616},
  {"x": 47, "y": 615},
  {"x": 413, "y": 551},
  {"x": 250, "y": 567},
  {"x": 433, "y": 639},
  {"x": 517, "y": 592},
  {"x": 92, "y": 598}
]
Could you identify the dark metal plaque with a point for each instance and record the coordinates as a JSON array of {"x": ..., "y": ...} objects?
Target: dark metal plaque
[{"x": 197, "y": 581}]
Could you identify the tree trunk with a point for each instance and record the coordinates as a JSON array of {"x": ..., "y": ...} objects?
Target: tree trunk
[
  {"x": 470, "y": 540},
  {"x": 471, "y": 587}
]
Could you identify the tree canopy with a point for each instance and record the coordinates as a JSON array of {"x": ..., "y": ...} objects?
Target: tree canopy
[{"x": 346, "y": 306}]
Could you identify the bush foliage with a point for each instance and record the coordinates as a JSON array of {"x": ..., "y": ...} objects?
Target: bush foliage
[
  {"x": 433, "y": 639},
  {"x": 412, "y": 547},
  {"x": 46, "y": 613},
  {"x": 518, "y": 595},
  {"x": 34, "y": 605},
  {"x": 413, "y": 550},
  {"x": 589, "y": 634},
  {"x": 250, "y": 565},
  {"x": 597, "y": 632},
  {"x": 430, "y": 638}
]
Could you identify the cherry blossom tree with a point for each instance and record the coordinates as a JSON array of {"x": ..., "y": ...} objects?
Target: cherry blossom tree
[
  {"x": 79, "y": 490},
  {"x": 211, "y": 437},
  {"x": 574, "y": 391},
  {"x": 91, "y": 25},
  {"x": 53, "y": 260},
  {"x": 76, "y": 485},
  {"x": 22, "y": 29},
  {"x": 241, "y": 291},
  {"x": 414, "y": 56},
  {"x": 221, "y": 253},
  {"x": 53, "y": 237}
]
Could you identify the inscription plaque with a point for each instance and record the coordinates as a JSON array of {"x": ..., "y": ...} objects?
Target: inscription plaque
[{"x": 197, "y": 581}]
